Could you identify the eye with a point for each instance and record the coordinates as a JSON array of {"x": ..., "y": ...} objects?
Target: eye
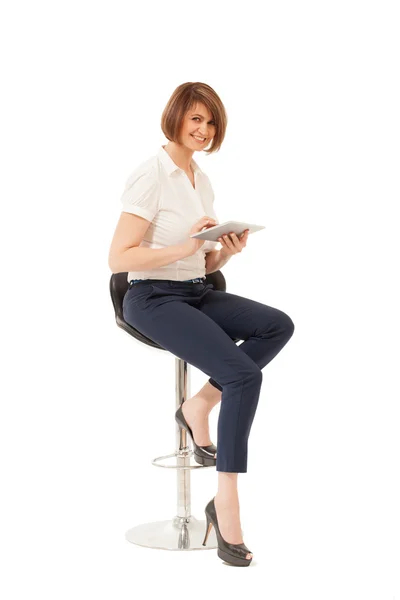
[{"x": 212, "y": 122}]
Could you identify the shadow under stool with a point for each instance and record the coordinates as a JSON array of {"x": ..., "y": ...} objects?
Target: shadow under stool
[{"x": 184, "y": 531}]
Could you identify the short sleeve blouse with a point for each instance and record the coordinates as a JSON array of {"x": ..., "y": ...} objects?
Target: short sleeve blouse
[{"x": 161, "y": 192}]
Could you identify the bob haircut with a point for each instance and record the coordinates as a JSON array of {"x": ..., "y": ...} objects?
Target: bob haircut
[{"x": 183, "y": 99}]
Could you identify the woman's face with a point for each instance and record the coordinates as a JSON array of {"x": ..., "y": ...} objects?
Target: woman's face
[{"x": 197, "y": 122}]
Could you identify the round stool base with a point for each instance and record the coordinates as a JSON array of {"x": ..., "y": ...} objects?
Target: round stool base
[{"x": 176, "y": 534}]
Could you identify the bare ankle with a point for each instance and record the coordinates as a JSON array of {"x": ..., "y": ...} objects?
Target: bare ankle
[
  {"x": 208, "y": 397},
  {"x": 227, "y": 501}
]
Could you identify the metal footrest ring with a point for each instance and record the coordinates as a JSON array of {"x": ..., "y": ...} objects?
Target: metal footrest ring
[{"x": 184, "y": 456}]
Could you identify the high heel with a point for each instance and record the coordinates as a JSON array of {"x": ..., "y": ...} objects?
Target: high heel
[
  {"x": 204, "y": 455},
  {"x": 234, "y": 554}
]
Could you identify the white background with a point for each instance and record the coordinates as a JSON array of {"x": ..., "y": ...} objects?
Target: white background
[{"x": 312, "y": 152}]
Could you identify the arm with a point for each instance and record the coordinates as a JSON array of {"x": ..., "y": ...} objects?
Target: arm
[
  {"x": 126, "y": 254},
  {"x": 231, "y": 245},
  {"x": 145, "y": 259},
  {"x": 215, "y": 260}
]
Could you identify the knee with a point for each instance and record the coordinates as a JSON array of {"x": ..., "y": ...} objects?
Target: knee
[
  {"x": 255, "y": 375},
  {"x": 285, "y": 324},
  {"x": 289, "y": 326}
]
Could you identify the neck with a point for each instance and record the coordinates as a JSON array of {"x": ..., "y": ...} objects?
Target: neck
[{"x": 181, "y": 155}]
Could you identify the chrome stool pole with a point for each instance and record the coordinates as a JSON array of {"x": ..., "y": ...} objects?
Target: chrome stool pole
[{"x": 184, "y": 531}]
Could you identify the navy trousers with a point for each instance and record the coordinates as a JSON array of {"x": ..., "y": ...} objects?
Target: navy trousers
[{"x": 195, "y": 322}]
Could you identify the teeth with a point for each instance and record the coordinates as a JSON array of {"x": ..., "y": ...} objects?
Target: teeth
[{"x": 198, "y": 138}]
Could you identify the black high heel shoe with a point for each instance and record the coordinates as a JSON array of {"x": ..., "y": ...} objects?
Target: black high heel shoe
[
  {"x": 234, "y": 554},
  {"x": 204, "y": 455}
]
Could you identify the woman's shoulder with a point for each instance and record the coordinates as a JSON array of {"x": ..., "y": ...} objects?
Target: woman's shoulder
[{"x": 148, "y": 168}]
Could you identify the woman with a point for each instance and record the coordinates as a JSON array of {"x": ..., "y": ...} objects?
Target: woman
[{"x": 166, "y": 199}]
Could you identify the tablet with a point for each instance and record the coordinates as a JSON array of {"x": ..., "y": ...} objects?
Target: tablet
[{"x": 213, "y": 233}]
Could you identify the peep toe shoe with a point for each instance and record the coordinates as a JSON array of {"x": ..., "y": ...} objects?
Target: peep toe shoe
[
  {"x": 234, "y": 554},
  {"x": 204, "y": 455}
]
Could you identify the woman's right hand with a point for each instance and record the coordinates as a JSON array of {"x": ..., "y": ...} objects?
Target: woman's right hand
[{"x": 193, "y": 244}]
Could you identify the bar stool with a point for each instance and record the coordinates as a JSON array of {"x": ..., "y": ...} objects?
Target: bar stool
[{"x": 183, "y": 531}]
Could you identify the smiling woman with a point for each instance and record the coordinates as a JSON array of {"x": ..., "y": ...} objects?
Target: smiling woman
[{"x": 168, "y": 198}]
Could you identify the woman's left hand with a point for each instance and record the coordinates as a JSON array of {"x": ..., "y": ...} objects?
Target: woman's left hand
[{"x": 232, "y": 244}]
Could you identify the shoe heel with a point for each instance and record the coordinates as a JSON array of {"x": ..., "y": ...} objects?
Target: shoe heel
[{"x": 208, "y": 529}]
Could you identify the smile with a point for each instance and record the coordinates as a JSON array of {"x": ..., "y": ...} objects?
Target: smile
[{"x": 198, "y": 138}]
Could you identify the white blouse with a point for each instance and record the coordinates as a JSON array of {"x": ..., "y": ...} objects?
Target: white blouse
[{"x": 162, "y": 193}]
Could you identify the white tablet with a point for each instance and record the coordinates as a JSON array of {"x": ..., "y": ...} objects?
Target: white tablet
[{"x": 213, "y": 233}]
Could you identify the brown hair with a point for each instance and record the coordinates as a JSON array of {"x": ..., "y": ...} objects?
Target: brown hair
[{"x": 182, "y": 100}]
